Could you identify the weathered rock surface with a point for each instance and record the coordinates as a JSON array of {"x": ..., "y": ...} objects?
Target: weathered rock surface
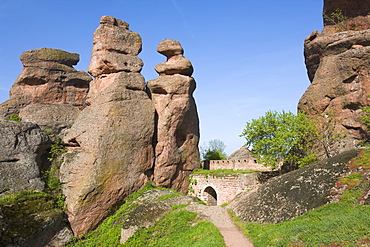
[
  {"x": 176, "y": 149},
  {"x": 356, "y": 13},
  {"x": 53, "y": 118},
  {"x": 48, "y": 76},
  {"x": 32, "y": 221},
  {"x": 338, "y": 66},
  {"x": 150, "y": 211},
  {"x": 23, "y": 149},
  {"x": 292, "y": 194},
  {"x": 111, "y": 153}
]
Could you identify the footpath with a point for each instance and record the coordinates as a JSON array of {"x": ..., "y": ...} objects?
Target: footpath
[{"x": 233, "y": 236}]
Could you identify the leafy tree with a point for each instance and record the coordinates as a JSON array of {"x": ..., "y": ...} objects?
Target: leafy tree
[
  {"x": 214, "y": 150},
  {"x": 281, "y": 137}
]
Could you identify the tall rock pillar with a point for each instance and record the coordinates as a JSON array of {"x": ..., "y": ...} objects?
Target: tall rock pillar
[
  {"x": 111, "y": 142},
  {"x": 338, "y": 65},
  {"x": 177, "y": 137}
]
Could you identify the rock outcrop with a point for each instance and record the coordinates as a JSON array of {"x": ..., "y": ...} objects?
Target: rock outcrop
[
  {"x": 292, "y": 194},
  {"x": 149, "y": 210},
  {"x": 338, "y": 68},
  {"x": 51, "y": 118},
  {"x": 23, "y": 150},
  {"x": 48, "y": 76},
  {"x": 32, "y": 219},
  {"x": 177, "y": 137},
  {"x": 348, "y": 15},
  {"x": 111, "y": 152},
  {"x": 242, "y": 153}
]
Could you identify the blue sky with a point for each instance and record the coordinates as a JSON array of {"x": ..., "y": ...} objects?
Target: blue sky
[{"x": 247, "y": 55}]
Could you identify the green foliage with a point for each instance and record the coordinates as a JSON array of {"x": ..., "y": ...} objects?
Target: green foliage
[
  {"x": 337, "y": 18},
  {"x": 214, "y": 150},
  {"x": 281, "y": 137},
  {"x": 221, "y": 172},
  {"x": 166, "y": 196},
  {"x": 179, "y": 228},
  {"x": 57, "y": 148},
  {"x": 335, "y": 224},
  {"x": 14, "y": 117},
  {"x": 175, "y": 207}
]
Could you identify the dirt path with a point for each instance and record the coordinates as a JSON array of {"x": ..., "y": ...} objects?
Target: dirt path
[{"x": 221, "y": 219}]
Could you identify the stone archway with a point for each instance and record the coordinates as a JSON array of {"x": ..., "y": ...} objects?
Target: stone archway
[{"x": 210, "y": 196}]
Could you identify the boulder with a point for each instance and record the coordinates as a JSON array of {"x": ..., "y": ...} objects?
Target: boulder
[
  {"x": 23, "y": 151},
  {"x": 242, "y": 153},
  {"x": 32, "y": 219},
  {"x": 177, "y": 136},
  {"x": 110, "y": 143},
  {"x": 51, "y": 118},
  {"x": 338, "y": 67},
  {"x": 48, "y": 76},
  {"x": 292, "y": 194},
  {"x": 150, "y": 211}
]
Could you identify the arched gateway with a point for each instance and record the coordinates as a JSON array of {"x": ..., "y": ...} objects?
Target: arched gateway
[{"x": 210, "y": 196}]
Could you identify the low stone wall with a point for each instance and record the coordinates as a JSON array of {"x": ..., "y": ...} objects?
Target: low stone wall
[
  {"x": 240, "y": 164},
  {"x": 215, "y": 190}
]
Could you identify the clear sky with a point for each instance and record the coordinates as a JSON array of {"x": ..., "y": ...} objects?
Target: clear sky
[{"x": 247, "y": 55}]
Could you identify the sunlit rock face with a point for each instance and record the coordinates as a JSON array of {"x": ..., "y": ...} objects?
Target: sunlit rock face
[
  {"x": 348, "y": 15},
  {"x": 338, "y": 66},
  {"x": 48, "y": 77},
  {"x": 177, "y": 136},
  {"x": 110, "y": 144}
]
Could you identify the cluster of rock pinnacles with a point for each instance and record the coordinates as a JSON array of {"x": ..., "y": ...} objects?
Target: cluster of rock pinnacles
[{"x": 119, "y": 135}]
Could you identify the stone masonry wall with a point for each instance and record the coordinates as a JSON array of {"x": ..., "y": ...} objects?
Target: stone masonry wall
[
  {"x": 225, "y": 187},
  {"x": 239, "y": 164}
]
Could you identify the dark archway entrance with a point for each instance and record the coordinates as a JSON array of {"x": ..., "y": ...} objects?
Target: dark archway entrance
[{"x": 210, "y": 196}]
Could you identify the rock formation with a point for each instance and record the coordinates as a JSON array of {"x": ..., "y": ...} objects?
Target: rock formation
[
  {"x": 23, "y": 146},
  {"x": 48, "y": 76},
  {"x": 348, "y": 15},
  {"x": 242, "y": 153},
  {"x": 176, "y": 149},
  {"x": 284, "y": 197},
  {"x": 338, "y": 68},
  {"x": 111, "y": 153}
]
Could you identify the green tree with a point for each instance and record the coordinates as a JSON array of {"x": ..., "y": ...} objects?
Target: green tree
[
  {"x": 280, "y": 137},
  {"x": 213, "y": 150}
]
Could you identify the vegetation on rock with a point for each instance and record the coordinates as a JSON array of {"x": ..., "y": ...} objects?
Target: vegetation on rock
[
  {"x": 176, "y": 227},
  {"x": 342, "y": 223}
]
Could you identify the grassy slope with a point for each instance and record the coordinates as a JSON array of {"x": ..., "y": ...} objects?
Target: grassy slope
[
  {"x": 344, "y": 223},
  {"x": 178, "y": 227}
]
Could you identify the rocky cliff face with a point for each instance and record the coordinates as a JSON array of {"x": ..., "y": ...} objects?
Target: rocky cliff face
[
  {"x": 338, "y": 67},
  {"x": 348, "y": 15},
  {"x": 176, "y": 149},
  {"x": 47, "y": 77},
  {"x": 23, "y": 147},
  {"x": 111, "y": 152}
]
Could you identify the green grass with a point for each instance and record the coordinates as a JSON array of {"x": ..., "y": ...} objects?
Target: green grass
[
  {"x": 109, "y": 232},
  {"x": 337, "y": 224},
  {"x": 221, "y": 172},
  {"x": 174, "y": 230},
  {"x": 179, "y": 228}
]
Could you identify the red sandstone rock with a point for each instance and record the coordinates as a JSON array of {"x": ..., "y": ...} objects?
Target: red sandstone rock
[
  {"x": 338, "y": 67},
  {"x": 356, "y": 13},
  {"x": 111, "y": 141},
  {"x": 176, "y": 150},
  {"x": 47, "y": 77}
]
